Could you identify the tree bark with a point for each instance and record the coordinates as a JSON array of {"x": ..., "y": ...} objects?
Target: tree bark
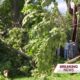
[{"x": 73, "y": 60}]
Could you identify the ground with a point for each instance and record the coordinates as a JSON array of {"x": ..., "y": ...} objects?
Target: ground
[{"x": 56, "y": 77}]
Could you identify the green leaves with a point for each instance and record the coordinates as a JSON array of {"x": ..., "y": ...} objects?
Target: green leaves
[
  {"x": 5, "y": 7},
  {"x": 76, "y": 1},
  {"x": 45, "y": 35},
  {"x": 46, "y": 2},
  {"x": 41, "y": 33},
  {"x": 28, "y": 8},
  {"x": 16, "y": 38}
]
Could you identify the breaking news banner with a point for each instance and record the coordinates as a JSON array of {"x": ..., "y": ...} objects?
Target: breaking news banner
[{"x": 67, "y": 68}]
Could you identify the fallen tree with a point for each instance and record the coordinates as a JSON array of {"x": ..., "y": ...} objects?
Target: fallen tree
[{"x": 73, "y": 60}]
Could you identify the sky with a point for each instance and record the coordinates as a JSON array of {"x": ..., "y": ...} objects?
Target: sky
[
  {"x": 1, "y": 1},
  {"x": 61, "y": 6}
]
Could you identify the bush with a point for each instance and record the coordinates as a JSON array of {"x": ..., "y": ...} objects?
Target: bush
[{"x": 11, "y": 60}]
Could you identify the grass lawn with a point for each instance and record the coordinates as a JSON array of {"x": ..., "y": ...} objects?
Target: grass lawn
[
  {"x": 54, "y": 77},
  {"x": 24, "y": 78}
]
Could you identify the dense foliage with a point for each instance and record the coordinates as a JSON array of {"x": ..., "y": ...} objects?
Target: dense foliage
[{"x": 29, "y": 37}]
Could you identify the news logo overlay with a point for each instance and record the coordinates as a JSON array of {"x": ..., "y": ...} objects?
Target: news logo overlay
[{"x": 67, "y": 68}]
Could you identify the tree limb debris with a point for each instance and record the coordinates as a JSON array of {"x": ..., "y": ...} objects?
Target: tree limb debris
[{"x": 73, "y": 60}]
